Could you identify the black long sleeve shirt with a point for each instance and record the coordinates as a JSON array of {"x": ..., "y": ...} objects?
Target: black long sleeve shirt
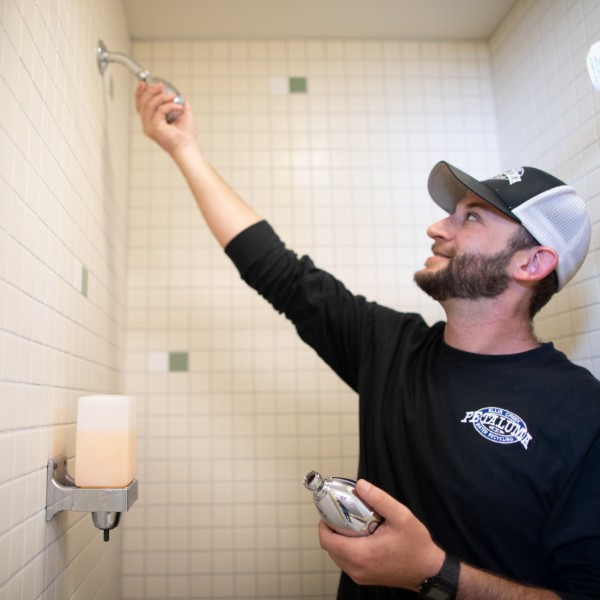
[{"x": 499, "y": 456}]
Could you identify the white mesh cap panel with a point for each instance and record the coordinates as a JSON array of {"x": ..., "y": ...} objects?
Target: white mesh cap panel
[{"x": 558, "y": 218}]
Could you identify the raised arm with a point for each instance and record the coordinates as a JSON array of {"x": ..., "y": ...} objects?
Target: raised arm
[{"x": 224, "y": 211}]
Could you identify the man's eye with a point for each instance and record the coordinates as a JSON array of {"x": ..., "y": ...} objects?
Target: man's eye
[{"x": 470, "y": 216}]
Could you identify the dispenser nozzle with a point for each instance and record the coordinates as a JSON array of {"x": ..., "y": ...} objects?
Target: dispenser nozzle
[{"x": 106, "y": 521}]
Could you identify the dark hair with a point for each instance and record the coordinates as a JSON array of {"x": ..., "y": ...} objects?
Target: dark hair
[{"x": 548, "y": 286}]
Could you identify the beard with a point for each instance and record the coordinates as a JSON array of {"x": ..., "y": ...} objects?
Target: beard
[{"x": 469, "y": 277}]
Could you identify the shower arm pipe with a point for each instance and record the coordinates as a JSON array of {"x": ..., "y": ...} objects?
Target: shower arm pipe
[{"x": 104, "y": 57}]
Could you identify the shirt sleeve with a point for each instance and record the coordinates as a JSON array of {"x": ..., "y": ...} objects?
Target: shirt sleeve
[
  {"x": 573, "y": 531},
  {"x": 326, "y": 315}
]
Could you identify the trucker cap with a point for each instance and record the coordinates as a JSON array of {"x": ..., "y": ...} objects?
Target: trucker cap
[{"x": 548, "y": 208}]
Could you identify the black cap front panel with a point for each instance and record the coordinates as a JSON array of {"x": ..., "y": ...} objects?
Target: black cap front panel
[{"x": 519, "y": 185}]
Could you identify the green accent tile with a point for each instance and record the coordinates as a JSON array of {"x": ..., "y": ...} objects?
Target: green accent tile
[
  {"x": 178, "y": 361},
  {"x": 84, "y": 281},
  {"x": 298, "y": 85}
]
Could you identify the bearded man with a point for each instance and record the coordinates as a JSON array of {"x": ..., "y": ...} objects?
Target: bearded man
[{"x": 479, "y": 444}]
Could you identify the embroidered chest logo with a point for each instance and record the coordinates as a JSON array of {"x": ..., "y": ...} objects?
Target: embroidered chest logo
[{"x": 499, "y": 425}]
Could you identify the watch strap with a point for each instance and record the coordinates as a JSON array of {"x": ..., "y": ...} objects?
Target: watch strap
[
  {"x": 445, "y": 582},
  {"x": 450, "y": 570}
]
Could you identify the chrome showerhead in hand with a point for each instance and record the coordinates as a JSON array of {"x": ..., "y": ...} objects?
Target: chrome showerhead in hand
[{"x": 104, "y": 57}]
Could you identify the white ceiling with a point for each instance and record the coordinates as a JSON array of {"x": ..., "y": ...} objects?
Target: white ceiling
[{"x": 284, "y": 19}]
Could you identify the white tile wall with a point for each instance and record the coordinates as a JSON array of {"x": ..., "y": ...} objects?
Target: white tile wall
[
  {"x": 341, "y": 172},
  {"x": 549, "y": 116},
  {"x": 63, "y": 197}
]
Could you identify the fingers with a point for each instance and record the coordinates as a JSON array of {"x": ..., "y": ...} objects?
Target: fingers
[
  {"x": 375, "y": 497},
  {"x": 326, "y": 535},
  {"x": 150, "y": 100},
  {"x": 379, "y": 501},
  {"x": 144, "y": 92},
  {"x": 324, "y": 532},
  {"x": 333, "y": 543},
  {"x": 351, "y": 554}
]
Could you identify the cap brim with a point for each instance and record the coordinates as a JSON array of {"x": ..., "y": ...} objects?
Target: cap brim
[{"x": 448, "y": 186}]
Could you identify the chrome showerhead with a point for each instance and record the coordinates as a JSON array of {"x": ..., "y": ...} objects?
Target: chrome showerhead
[{"x": 104, "y": 57}]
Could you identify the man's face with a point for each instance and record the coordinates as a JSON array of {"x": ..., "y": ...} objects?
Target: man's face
[{"x": 472, "y": 253}]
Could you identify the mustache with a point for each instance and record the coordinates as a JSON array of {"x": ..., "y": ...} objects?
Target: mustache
[{"x": 438, "y": 249}]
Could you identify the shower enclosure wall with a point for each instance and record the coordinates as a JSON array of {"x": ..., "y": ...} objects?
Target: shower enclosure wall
[{"x": 110, "y": 283}]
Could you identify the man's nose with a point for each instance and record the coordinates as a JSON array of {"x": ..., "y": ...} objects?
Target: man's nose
[{"x": 441, "y": 229}]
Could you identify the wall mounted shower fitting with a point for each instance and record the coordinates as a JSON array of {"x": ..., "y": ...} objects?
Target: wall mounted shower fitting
[
  {"x": 104, "y": 57},
  {"x": 340, "y": 506},
  {"x": 105, "y": 504},
  {"x": 593, "y": 65}
]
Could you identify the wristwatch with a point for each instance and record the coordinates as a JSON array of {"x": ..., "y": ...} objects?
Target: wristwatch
[{"x": 444, "y": 585}]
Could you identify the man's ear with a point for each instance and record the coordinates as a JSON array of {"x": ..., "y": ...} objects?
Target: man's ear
[{"x": 535, "y": 263}]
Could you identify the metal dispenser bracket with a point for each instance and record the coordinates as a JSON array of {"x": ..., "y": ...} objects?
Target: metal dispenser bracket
[{"x": 105, "y": 504}]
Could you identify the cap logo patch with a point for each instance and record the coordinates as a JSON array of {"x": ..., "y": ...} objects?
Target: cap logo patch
[{"x": 512, "y": 175}]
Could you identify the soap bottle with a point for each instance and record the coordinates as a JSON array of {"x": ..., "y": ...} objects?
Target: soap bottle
[{"x": 106, "y": 440}]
